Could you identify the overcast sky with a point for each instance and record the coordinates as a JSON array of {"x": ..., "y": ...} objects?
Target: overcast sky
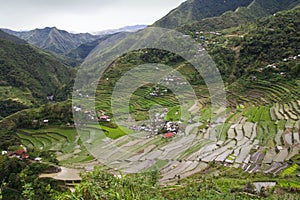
[{"x": 81, "y": 15}]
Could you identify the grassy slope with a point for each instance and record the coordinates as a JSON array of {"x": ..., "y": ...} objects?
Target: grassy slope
[
  {"x": 195, "y": 10},
  {"x": 245, "y": 97},
  {"x": 244, "y": 14},
  {"x": 29, "y": 75}
]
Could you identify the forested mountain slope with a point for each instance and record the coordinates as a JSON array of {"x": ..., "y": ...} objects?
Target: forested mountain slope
[
  {"x": 244, "y": 14},
  {"x": 195, "y": 10},
  {"x": 54, "y": 40},
  {"x": 28, "y": 75}
]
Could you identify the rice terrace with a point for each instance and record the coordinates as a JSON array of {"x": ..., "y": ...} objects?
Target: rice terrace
[{"x": 203, "y": 103}]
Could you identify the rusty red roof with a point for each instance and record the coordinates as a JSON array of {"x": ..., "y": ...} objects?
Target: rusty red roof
[
  {"x": 168, "y": 135},
  {"x": 19, "y": 152}
]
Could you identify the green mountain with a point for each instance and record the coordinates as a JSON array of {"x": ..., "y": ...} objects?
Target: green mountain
[
  {"x": 266, "y": 51},
  {"x": 80, "y": 53},
  {"x": 195, "y": 10},
  {"x": 257, "y": 145},
  {"x": 28, "y": 76},
  {"x": 244, "y": 14},
  {"x": 8, "y": 37},
  {"x": 274, "y": 40},
  {"x": 53, "y": 39},
  {"x": 217, "y": 15},
  {"x": 259, "y": 138},
  {"x": 248, "y": 48}
]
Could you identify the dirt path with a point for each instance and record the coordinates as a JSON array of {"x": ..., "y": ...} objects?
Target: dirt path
[
  {"x": 194, "y": 108},
  {"x": 66, "y": 174}
]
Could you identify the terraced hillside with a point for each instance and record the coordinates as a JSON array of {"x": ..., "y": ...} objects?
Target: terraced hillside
[
  {"x": 63, "y": 141},
  {"x": 262, "y": 92},
  {"x": 256, "y": 139},
  {"x": 260, "y": 132}
]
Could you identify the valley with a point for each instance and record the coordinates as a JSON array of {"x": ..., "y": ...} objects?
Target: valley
[{"x": 152, "y": 125}]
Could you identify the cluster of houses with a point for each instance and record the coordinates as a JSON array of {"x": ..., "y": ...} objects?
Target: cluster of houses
[
  {"x": 101, "y": 117},
  {"x": 200, "y": 36},
  {"x": 168, "y": 80},
  {"x": 157, "y": 123},
  {"x": 21, "y": 154},
  {"x": 158, "y": 126},
  {"x": 274, "y": 65},
  {"x": 169, "y": 130},
  {"x": 172, "y": 129},
  {"x": 175, "y": 80},
  {"x": 291, "y": 58},
  {"x": 45, "y": 121},
  {"x": 79, "y": 94},
  {"x": 89, "y": 114},
  {"x": 211, "y": 33},
  {"x": 157, "y": 91},
  {"x": 205, "y": 41},
  {"x": 77, "y": 109}
]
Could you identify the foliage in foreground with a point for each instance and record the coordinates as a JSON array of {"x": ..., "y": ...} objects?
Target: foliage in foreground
[
  {"x": 19, "y": 180},
  {"x": 102, "y": 185},
  {"x": 227, "y": 185}
]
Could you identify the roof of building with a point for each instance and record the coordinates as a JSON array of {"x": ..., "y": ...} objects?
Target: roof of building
[
  {"x": 168, "y": 135},
  {"x": 19, "y": 152},
  {"x": 104, "y": 117},
  {"x": 24, "y": 156}
]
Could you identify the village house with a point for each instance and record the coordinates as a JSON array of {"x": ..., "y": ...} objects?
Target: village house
[
  {"x": 4, "y": 153},
  {"x": 38, "y": 159},
  {"x": 263, "y": 185},
  {"x": 104, "y": 118},
  {"x": 22, "y": 154},
  {"x": 171, "y": 127},
  {"x": 77, "y": 109},
  {"x": 50, "y": 98},
  {"x": 168, "y": 135}
]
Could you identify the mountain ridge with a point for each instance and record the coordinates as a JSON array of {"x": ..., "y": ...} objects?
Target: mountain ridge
[
  {"x": 80, "y": 53},
  {"x": 28, "y": 75},
  {"x": 132, "y": 28},
  {"x": 242, "y": 15},
  {"x": 195, "y": 10},
  {"x": 218, "y": 15},
  {"x": 52, "y": 39}
]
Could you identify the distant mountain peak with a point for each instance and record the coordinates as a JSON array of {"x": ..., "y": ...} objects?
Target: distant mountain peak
[
  {"x": 132, "y": 28},
  {"x": 53, "y": 39},
  {"x": 47, "y": 28},
  {"x": 11, "y": 38}
]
